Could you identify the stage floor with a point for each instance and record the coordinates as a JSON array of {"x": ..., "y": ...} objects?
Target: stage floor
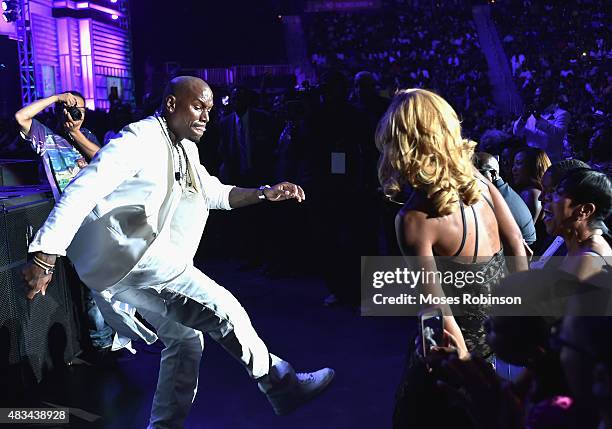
[{"x": 367, "y": 354}]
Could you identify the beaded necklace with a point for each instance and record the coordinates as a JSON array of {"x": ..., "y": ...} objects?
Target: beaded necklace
[{"x": 180, "y": 176}]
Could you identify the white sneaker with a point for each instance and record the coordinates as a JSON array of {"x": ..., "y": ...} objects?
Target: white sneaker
[{"x": 304, "y": 387}]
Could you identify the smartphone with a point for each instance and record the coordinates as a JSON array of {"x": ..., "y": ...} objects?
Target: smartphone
[{"x": 432, "y": 329}]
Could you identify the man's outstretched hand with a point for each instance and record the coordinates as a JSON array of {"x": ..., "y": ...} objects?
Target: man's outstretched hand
[
  {"x": 35, "y": 278},
  {"x": 284, "y": 191}
]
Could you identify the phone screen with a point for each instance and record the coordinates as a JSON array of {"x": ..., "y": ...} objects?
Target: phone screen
[{"x": 432, "y": 329}]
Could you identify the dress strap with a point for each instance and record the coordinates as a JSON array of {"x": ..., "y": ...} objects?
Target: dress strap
[
  {"x": 464, "y": 229},
  {"x": 489, "y": 202},
  {"x": 476, "y": 237},
  {"x": 595, "y": 253}
]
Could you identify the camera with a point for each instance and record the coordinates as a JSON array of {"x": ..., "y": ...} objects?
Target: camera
[{"x": 74, "y": 112}]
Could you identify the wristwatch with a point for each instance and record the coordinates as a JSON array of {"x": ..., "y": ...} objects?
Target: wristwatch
[{"x": 262, "y": 195}]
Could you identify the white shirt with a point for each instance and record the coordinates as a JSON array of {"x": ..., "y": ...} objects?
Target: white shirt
[
  {"x": 120, "y": 204},
  {"x": 547, "y": 133}
]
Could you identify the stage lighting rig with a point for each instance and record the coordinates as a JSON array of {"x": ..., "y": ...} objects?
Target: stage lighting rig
[{"x": 10, "y": 9}]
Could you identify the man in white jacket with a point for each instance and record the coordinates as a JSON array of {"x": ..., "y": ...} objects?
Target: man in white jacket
[
  {"x": 131, "y": 222},
  {"x": 544, "y": 125}
]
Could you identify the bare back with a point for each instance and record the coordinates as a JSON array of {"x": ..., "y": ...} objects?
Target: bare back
[{"x": 469, "y": 231}]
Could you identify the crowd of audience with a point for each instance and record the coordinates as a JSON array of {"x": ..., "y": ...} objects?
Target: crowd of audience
[
  {"x": 406, "y": 47},
  {"x": 563, "y": 47},
  {"x": 558, "y": 55}
]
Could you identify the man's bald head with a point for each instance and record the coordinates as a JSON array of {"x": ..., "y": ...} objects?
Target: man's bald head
[
  {"x": 186, "y": 106},
  {"x": 182, "y": 86},
  {"x": 487, "y": 164}
]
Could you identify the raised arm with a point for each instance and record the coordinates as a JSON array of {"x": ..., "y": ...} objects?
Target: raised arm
[
  {"x": 25, "y": 115},
  {"x": 557, "y": 127},
  {"x": 88, "y": 145}
]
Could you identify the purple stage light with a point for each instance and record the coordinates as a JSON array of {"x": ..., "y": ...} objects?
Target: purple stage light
[{"x": 10, "y": 10}]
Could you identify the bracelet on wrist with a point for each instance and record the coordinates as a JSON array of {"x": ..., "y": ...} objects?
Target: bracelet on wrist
[
  {"x": 44, "y": 263},
  {"x": 47, "y": 270},
  {"x": 262, "y": 194}
]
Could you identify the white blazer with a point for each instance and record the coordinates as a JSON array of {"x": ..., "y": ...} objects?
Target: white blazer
[{"x": 117, "y": 206}]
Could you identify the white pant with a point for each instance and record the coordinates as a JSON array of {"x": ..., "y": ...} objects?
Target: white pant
[{"x": 181, "y": 310}]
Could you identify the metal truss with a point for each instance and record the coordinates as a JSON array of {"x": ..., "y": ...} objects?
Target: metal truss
[{"x": 26, "y": 54}]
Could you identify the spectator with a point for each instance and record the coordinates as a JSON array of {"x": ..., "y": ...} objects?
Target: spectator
[
  {"x": 510, "y": 149},
  {"x": 544, "y": 124},
  {"x": 577, "y": 210},
  {"x": 248, "y": 139},
  {"x": 554, "y": 245},
  {"x": 489, "y": 167},
  {"x": 64, "y": 152},
  {"x": 67, "y": 149},
  {"x": 528, "y": 168},
  {"x": 247, "y": 142},
  {"x": 372, "y": 106},
  {"x": 336, "y": 139},
  {"x": 600, "y": 146},
  {"x": 565, "y": 48},
  {"x": 398, "y": 44}
]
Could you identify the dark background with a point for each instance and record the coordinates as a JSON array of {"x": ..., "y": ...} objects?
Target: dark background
[
  {"x": 199, "y": 34},
  {"x": 10, "y": 95}
]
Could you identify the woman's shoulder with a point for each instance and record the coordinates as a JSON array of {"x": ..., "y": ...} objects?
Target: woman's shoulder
[
  {"x": 598, "y": 251},
  {"x": 416, "y": 207},
  {"x": 588, "y": 260},
  {"x": 413, "y": 220}
]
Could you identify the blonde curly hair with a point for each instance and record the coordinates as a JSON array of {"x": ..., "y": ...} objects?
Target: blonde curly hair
[{"x": 419, "y": 138}]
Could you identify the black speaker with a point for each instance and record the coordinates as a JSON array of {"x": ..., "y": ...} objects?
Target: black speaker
[
  {"x": 43, "y": 333},
  {"x": 18, "y": 172}
]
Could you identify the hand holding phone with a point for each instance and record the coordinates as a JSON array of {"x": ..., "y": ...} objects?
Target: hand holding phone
[
  {"x": 431, "y": 323},
  {"x": 436, "y": 342}
]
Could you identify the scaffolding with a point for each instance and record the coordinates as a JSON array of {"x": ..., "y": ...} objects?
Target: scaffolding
[{"x": 26, "y": 54}]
